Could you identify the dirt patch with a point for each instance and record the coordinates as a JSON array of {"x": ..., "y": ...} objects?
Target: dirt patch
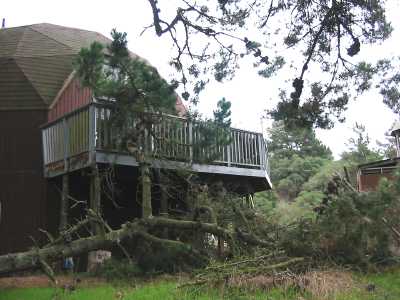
[{"x": 43, "y": 281}]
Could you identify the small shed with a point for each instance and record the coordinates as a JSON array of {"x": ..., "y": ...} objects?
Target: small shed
[{"x": 369, "y": 174}]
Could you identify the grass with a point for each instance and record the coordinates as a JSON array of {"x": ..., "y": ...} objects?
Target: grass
[
  {"x": 163, "y": 291},
  {"x": 386, "y": 287}
]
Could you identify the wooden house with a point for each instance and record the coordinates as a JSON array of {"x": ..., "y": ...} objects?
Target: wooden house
[
  {"x": 55, "y": 141},
  {"x": 369, "y": 174}
]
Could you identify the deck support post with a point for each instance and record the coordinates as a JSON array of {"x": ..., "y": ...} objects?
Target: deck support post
[
  {"x": 96, "y": 258},
  {"x": 146, "y": 189},
  {"x": 95, "y": 196},
  {"x": 64, "y": 203}
]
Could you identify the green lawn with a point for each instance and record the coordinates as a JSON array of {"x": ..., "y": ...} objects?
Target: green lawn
[
  {"x": 163, "y": 291},
  {"x": 386, "y": 287}
]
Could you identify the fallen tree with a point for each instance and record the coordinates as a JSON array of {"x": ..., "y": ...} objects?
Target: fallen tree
[{"x": 56, "y": 249}]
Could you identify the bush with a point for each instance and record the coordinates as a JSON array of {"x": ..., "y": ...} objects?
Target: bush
[{"x": 350, "y": 229}]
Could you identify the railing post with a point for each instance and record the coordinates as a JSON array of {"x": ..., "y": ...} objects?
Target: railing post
[
  {"x": 92, "y": 133},
  {"x": 228, "y": 149},
  {"x": 266, "y": 158},
  {"x": 191, "y": 141},
  {"x": 261, "y": 150},
  {"x": 66, "y": 144}
]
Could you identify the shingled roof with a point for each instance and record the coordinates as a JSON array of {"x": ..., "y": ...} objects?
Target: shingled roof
[{"x": 35, "y": 60}]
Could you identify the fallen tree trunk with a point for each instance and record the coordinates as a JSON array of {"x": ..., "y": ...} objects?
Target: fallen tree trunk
[{"x": 58, "y": 249}]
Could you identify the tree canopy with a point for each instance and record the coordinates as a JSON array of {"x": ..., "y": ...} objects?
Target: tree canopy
[
  {"x": 360, "y": 150},
  {"x": 284, "y": 143},
  {"x": 115, "y": 74},
  {"x": 295, "y": 155},
  {"x": 210, "y": 37}
]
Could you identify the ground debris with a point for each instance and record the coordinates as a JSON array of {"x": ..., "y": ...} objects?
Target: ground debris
[{"x": 246, "y": 267}]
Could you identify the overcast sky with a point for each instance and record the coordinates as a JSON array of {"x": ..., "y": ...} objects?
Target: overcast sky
[{"x": 249, "y": 93}]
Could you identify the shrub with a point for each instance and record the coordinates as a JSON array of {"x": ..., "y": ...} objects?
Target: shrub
[{"x": 350, "y": 229}]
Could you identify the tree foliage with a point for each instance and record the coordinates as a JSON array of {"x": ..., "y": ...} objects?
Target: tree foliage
[
  {"x": 295, "y": 156},
  {"x": 130, "y": 85},
  {"x": 359, "y": 147},
  {"x": 359, "y": 151},
  {"x": 354, "y": 228},
  {"x": 284, "y": 142},
  {"x": 117, "y": 75},
  {"x": 330, "y": 219},
  {"x": 211, "y": 37},
  {"x": 222, "y": 116}
]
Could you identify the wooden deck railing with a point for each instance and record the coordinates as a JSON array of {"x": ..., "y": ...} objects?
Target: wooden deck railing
[{"x": 89, "y": 129}]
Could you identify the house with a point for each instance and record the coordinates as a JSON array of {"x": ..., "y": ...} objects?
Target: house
[
  {"x": 369, "y": 174},
  {"x": 56, "y": 145}
]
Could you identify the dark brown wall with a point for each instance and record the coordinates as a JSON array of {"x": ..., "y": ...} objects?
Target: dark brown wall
[{"x": 23, "y": 190}]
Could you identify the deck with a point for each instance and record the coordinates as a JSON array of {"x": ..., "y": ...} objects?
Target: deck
[{"x": 85, "y": 136}]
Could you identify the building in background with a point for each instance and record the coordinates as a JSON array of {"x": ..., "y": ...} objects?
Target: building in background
[{"x": 369, "y": 174}]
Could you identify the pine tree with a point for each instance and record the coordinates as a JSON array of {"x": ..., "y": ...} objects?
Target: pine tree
[{"x": 135, "y": 89}]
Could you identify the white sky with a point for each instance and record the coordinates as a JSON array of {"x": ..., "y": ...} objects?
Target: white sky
[{"x": 249, "y": 93}]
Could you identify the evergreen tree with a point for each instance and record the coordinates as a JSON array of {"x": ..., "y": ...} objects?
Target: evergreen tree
[
  {"x": 222, "y": 115},
  {"x": 295, "y": 155},
  {"x": 359, "y": 148},
  {"x": 115, "y": 74},
  {"x": 134, "y": 89},
  {"x": 284, "y": 142}
]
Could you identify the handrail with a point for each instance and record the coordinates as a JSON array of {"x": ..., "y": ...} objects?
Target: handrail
[
  {"x": 87, "y": 129},
  {"x": 48, "y": 124}
]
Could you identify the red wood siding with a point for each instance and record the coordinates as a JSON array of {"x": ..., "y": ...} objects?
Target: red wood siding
[
  {"x": 73, "y": 97},
  {"x": 370, "y": 182},
  {"x": 180, "y": 107}
]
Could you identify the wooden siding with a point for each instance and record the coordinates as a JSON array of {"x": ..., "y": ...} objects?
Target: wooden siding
[
  {"x": 369, "y": 174},
  {"x": 71, "y": 98},
  {"x": 370, "y": 182},
  {"x": 24, "y": 191}
]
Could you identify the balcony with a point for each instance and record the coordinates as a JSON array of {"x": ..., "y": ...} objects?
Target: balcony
[{"x": 86, "y": 137}]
